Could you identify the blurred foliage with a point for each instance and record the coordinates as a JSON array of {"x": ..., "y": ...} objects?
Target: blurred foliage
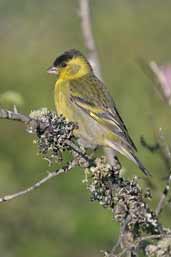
[
  {"x": 11, "y": 98},
  {"x": 58, "y": 219}
]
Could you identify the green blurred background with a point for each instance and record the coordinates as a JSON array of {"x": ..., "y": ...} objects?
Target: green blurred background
[{"x": 58, "y": 219}]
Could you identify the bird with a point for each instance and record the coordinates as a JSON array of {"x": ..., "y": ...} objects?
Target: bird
[{"x": 81, "y": 97}]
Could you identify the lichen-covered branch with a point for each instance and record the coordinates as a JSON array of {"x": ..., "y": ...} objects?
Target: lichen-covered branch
[{"x": 140, "y": 227}]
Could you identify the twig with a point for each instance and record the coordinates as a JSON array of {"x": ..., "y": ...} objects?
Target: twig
[
  {"x": 165, "y": 149},
  {"x": 123, "y": 252},
  {"x": 119, "y": 241},
  {"x": 84, "y": 12},
  {"x": 163, "y": 197},
  {"x": 139, "y": 241},
  {"x": 14, "y": 115},
  {"x": 166, "y": 154},
  {"x": 150, "y": 147},
  {"x": 151, "y": 237},
  {"x": 50, "y": 175},
  {"x": 80, "y": 152}
]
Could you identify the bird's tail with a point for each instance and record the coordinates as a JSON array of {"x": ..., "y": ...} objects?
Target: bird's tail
[
  {"x": 134, "y": 158},
  {"x": 130, "y": 155}
]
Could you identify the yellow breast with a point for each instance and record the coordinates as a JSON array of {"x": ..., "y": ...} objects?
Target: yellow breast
[{"x": 62, "y": 99}]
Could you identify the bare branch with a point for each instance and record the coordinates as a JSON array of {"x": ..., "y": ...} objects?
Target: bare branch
[
  {"x": 166, "y": 155},
  {"x": 13, "y": 115},
  {"x": 39, "y": 183},
  {"x": 84, "y": 11},
  {"x": 160, "y": 205},
  {"x": 164, "y": 150}
]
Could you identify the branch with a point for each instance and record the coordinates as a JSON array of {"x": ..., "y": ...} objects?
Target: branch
[
  {"x": 164, "y": 247},
  {"x": 86, "y": 27},
  {"x": 125, "y": 199},
  {"x": 164, "y": 150},
  {"x": 152, "y": 148},
  {"x": 13, "y": 115},
  {"x": 164, "y": 147},
  {"x": 39, "y": 183},
  {"x": 166, "y": 155},
  {"x": 36, "y": 124},
  {"x": 166, "y": 190},
  {"x": 45, "y": 126}
]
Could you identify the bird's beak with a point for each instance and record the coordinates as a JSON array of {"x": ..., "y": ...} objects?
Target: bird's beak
[{"x": 52, "y": 70}]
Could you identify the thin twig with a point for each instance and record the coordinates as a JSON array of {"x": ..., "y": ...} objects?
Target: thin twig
[
  {"x": 77, "y": 149},
  {"x": 119, "y": 241},
  {"x": 165, "y": 148},
  {"x": 151, "y": 237},
  {"x": 86, "y": 27},
  {"x": 163, "y": 197},
  {"x": 13, "y": 115},
  {"x": 139, "y": 241},
  {"x": 123, "y": 252},
  {"x": 50, "y": 175},
  {"x": 152, "y": 148},
  {"x": 166, "y": 154}
]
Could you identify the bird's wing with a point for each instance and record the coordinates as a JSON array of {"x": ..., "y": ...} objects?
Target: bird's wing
[{"x": 93, "y": 98}]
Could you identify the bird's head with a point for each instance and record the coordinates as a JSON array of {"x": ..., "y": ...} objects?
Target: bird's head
[{"x": 70, "y": 65}]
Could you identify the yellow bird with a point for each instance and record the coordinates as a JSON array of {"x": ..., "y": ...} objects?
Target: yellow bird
[{"x": 82, "y": 98}]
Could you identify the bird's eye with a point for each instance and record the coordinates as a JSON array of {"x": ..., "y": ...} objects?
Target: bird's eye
[{"x": 63, "y": 64}]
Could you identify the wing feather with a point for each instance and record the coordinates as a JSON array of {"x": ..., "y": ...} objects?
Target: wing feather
[{"x": 92, "y": 97}]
